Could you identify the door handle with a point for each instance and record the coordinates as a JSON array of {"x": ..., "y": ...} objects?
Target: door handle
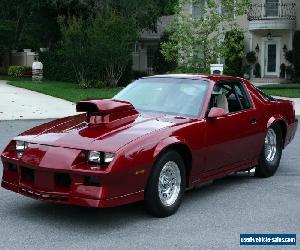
[{"x": 253, "y": 121}]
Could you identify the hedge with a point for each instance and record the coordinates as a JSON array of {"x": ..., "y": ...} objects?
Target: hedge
[
  {"x": 18, "y": 71},
  {"x": 234, "y": 52},
  {"x": 57, "y": 68}
]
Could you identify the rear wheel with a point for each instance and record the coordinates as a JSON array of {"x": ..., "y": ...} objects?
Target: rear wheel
[
  {"x": 166, "y": 185},
  {"x": 271, "y": 152}
]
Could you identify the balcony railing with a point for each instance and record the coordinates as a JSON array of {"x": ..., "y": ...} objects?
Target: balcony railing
[{"x": 272, "y": 11}]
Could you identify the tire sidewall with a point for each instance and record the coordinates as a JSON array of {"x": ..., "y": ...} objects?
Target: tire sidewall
[
  {"x": 153, "y": 202},
  {"x": 268, "y": 168}
]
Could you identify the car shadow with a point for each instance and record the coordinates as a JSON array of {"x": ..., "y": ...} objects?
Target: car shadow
[
  {"x": 83, "y": 218},
  {"x": 219, "y": 185}
]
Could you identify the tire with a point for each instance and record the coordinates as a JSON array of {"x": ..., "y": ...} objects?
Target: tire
[
  {"x": 166, "y": 185},
  {"x": 270, "y": 156}
]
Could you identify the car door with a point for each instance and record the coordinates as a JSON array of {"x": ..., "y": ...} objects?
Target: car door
[{"x": 234, "y": 137}]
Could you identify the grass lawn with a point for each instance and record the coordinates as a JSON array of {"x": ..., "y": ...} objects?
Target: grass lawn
[
  {"x": 287, "y": 90},
  {"x": 64, "y": 90},
  {"x": 72, "y": 92}
]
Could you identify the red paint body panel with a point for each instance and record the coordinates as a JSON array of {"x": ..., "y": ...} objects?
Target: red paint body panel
[{"x": 54, "y": 167}]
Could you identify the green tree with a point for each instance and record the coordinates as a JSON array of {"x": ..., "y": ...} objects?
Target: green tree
[
  {"x": 233, "y": 51},
  {"x": 98, "y": 48},
  {"x": 27, "y": 23},
  {"x": 76, "y": 47},
  {"x": 113, "y": 39},
  {"x": 196, "y": 41},
  {"x": 145, "y": 13},
  {"x": 161, "y": 65}
]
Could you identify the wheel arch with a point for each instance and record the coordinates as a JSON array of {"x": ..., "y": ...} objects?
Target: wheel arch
[
  {"x": 181, "y": 148},
  {"x": 282, "y": 123}
]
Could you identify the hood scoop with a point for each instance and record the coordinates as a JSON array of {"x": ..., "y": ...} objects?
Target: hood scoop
[{"x": 107, "y": 111}]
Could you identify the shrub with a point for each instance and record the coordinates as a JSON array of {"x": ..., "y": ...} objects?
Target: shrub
[
  {"x": 256, "y": 70},
  {"x": 282, "y": 70},
  {"x": 246, "y": 69},
  {"x": 289, "y": 72},
  {"x": 289, "y": 56},
  {"x": 98, "y": 48},
  {"x": 160, "y": 64},
  {"x": 18, "y": 71},
  {"x": 296, "y": 56},
  {"x": 234, "y": 52},
  {"x": 251, "y": 57},
  {"x": 3, "y": 71},
  {"x": 56, "y": 67},
  {"x": 184, "y": 69},
  {"x": 85, "y": 84},
  {"x": 137, "y": 74},
  {"x": 127, "y": 76}
]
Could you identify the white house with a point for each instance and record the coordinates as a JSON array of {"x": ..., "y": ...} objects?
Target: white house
[{"x": 269, "y": 25}]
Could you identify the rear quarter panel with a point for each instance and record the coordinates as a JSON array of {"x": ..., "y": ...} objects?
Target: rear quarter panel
[{"x": 277, "y": 110}]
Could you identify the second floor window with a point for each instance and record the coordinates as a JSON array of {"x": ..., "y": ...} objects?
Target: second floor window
[{"x": 272, "y": 8}]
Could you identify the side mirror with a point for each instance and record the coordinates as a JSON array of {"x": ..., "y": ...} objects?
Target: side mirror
[{"x": 216, "y": 112}]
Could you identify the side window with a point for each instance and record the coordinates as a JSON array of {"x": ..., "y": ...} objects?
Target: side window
[
  {"x": 242, "y": 96},
  {"x": 235, "y": 95}
]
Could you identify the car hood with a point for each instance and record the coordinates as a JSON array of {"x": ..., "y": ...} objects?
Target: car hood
[{"x": 75, "y": 132}]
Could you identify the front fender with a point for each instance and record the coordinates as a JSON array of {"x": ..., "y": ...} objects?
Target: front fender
[{"x": 167, "y": 142}]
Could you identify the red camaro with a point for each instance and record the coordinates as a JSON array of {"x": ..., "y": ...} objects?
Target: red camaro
[{"x": 157, "y": 137}]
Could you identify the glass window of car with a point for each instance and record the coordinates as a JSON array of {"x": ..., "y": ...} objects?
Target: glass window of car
[
  {"x": 242, "y": 96},
  {"x": 176, "y": 96},
  {"x": 235, "y": 94}
]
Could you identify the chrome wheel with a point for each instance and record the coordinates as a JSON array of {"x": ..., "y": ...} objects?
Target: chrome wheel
[
  {"x": 169, "y": 183},
  {"x": 270, "y": 145}
]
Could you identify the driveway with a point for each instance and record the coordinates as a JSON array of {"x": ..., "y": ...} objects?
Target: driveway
[
  {"x": 211, "y": 217},
  {"x": 18, "y": 103}
]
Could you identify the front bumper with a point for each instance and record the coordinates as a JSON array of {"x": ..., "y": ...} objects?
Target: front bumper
[
  {"x": 54, "y": 197},
  {"x": 64, "y": 186},
  {"x": 291, "y": 132}
]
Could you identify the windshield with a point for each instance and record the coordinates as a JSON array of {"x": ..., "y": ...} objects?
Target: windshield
[{"x": 174, "y": 96}]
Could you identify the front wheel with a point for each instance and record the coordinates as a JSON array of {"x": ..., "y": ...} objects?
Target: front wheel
[
  {"x": 166, "y": 185},
  {"x": 271, "y": 152}
]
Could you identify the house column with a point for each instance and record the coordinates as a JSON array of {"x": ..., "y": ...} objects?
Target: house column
[
  {"x": 251, "y": 41},
  {"x": 291, "y": 35}
]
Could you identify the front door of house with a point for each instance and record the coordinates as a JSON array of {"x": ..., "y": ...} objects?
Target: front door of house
[{"x": 271, "y": 57}]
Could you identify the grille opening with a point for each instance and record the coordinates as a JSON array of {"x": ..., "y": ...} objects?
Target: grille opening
[
  {"x": 92, "y": 181},
  {"x": 43, "y": 196},
  {"x": 62, "y": 180},
  {"x": 12, "y": 167},
  {"x": 27, "y": 174}
]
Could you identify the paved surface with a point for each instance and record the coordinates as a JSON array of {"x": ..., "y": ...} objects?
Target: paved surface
[
  {"x": 259, "y": 84},
  {"x": 211, "y": 217},
  {"x": 18, "y": 103}
]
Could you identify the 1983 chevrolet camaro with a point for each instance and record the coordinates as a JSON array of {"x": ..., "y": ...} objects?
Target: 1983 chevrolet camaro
[{"x": 156, "y": 138}]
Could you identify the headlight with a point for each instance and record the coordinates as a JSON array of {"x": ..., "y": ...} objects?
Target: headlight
[
  {"x": 21, "y": 146},
  {"x": 108, "y": 157},
  {"x": 100, "y": 157}
]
